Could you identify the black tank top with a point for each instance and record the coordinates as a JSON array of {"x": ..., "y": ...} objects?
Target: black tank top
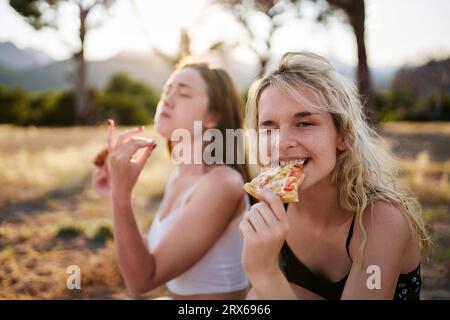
[{"x": 408, "y": 285}]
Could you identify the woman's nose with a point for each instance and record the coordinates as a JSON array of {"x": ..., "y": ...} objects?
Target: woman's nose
[
  {"x": 167, "y": 101},
  {"x": 287, "y": 140}
]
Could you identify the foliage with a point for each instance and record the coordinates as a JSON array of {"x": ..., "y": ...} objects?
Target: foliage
[{"x": 126, "y": 100}]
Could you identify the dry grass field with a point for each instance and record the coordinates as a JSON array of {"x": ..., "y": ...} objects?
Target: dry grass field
[{"x": 51, "y": 218}]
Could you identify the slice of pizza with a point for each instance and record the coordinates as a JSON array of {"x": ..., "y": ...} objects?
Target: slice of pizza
[
  {"x": 282, "y": 180},
  {"x": 101, "y": 157}
]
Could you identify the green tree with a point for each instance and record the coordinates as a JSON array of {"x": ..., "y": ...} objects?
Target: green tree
[
  {"x": 127, "y": 100},
  {"x": 355, "y": 14},
  {"x": 46, "y": 13},
  {"x": 14, "y": 105},
  {"x": 276, "y": 13},
  {"x": 125, "y": 109},
  {"x": 429, "y": 83},
  {"x": 59, "y": 108},
  {"x": 121, "y": 83}
]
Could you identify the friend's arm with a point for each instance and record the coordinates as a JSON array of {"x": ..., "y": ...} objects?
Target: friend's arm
[{"x": 193, "y": 233}]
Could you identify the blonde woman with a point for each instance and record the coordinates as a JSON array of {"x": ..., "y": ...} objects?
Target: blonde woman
[
  {"x": 194, "y": 245},
  {"x": 354, "y": 234}
]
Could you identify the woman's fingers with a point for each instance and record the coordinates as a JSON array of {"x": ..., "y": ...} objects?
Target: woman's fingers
[
  {"x": 266, "y": 213},
  {"x": 99, "y": 172},
  {"x": 111, "y": 139},
  {"x": 125, "y": 135},
  {"x": 274, "y": 203},
  {"x": 246, "y": 228},
  {"x": 147, "y": 153},
  {"x": 134, "y": 144},
  {"x": 257, "y": 221},
  {"x": 100, "y": 181}
]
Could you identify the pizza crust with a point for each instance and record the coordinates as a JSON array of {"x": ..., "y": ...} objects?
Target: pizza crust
[
  {"x": 249, "y": 188},
  {"x": 283, "y": 180},
  {"x": 100, "y": 159}
]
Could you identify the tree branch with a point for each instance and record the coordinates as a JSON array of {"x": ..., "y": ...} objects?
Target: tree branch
[{"x": 345, "y": 5}]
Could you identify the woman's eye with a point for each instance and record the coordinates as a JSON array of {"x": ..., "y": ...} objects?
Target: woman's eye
[
  {"x": 266, "y": 131},
  {"x": 303, "y": 124},
  {"x": 184, "y": 95}
]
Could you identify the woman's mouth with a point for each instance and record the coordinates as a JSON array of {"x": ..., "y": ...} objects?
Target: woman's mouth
[
  {"x": 164, "y": 114},
  {"x": 302, "y": 161}
]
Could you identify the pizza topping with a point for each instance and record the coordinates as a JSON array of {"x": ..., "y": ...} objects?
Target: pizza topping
[
  {"x": 283, "y": 180},
  {"x": 268, "y": 179},
  {"x": 289, "y": 185}
]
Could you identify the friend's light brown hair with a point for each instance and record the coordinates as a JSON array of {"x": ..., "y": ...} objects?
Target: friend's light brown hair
[{"x": 224, "y": 101}]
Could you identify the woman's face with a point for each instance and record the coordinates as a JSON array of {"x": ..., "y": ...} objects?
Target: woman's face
[
  {"x": 305, "y": 132},
  {"x": 184, "y": 100}
]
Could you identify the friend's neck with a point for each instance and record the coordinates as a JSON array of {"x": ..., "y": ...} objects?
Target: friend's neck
[{"x": 194, "y": 164}]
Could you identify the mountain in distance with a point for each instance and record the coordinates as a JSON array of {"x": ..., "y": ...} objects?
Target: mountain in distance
[
  {"x": 381, "y": 76},
  {"x": 58, "y": 74},
  {"x": 35, "y": 71},
  {"x": 17, "y": 59}
]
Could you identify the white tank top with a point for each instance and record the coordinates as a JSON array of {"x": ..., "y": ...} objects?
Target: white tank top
[{"x": 219, "y": 270}]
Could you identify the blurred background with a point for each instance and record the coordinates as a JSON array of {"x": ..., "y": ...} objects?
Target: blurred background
[{"x": 66, "y": 66}]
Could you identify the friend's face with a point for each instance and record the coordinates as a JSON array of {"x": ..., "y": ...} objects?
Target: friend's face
[
  {"x": 305, "y": 132},
  {"x": 185, "y": 100}
]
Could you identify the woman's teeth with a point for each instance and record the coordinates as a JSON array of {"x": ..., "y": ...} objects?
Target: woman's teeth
[{"x": 296, "y": 161}]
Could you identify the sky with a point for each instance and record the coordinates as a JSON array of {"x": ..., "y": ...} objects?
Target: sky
[{"x": 398, "y": 32}]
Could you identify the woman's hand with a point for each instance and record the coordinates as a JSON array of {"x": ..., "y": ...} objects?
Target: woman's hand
[
  {"x": 101, "y": 181},
  {"x": 264, "y": 229},
  {"x": 124, "y": 170}
]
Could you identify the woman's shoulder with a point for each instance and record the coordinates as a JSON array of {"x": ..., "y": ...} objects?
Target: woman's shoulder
[
  {"x": 389, "y": 237},
  {"x": 385, "y": 224},
  {"x": 174, "y": 173},
  {"x": 223, "y": 178},
  {"x": 226, "y": 174},
  {"x": 387, "y": 217}
]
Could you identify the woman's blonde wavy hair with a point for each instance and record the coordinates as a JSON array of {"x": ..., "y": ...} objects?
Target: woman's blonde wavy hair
[{"x": 366, "y": 171}]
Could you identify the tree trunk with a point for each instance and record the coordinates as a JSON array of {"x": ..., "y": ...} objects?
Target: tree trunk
[
  {"x": 357, "y": 19},
  {"x": 83, "y": 107},
  {"x": 440, "y": 93},
  {"x": 264, "y": 58}
]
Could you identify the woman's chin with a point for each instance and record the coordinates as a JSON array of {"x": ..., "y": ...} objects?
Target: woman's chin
[{"x": 163, "y": 130}]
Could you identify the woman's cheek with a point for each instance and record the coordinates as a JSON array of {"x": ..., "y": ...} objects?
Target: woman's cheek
[
  {"x": 165, "y": 126},
  {"x": 268, "y": 149},
  {"x": 327, "y": 160}
]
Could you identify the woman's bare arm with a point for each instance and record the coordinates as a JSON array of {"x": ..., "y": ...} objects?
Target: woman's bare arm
[
  {"x": 301, "y": 293},
  {"x": 388, "y": 238},
  {"x": 193, "y": 233}
]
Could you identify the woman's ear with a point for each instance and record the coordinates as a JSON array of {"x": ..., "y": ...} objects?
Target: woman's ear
[{"x": 342, "y": 143}]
